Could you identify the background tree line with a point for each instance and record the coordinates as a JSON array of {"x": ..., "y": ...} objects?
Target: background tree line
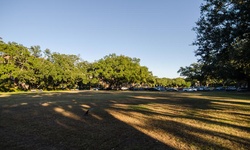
[
  {"x": 23, "y": 68},
  {"x": 223, "y": 41}
]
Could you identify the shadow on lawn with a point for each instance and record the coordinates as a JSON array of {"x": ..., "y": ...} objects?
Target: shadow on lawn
[
  {"x": 57, "y": 121},
  {"x": 229, "y": 94}
]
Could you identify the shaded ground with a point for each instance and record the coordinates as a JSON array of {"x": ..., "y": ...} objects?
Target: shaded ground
[{"x": 125, "y": 120}]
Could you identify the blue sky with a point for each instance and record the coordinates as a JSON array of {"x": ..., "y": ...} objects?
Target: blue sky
[{"x": 159, "y": 32}]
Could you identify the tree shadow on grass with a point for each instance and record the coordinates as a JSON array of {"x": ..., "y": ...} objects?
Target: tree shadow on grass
[
  {"x": 198, "y": 137},
  {"x": 239, "y": 111},
  {"x": 229, "y": 94},
  {"x": 57, "y": 121}
]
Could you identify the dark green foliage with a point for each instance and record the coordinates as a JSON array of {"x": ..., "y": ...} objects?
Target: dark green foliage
[
  {"x": 223, "y": 40},
  {"x": 24, "y": 68},
  {"x": 118, "y": 70},
  {"x": 192, "y": 72}
]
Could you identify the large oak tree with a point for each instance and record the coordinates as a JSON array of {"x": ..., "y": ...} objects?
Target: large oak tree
[{"x": 223, "y": 37}]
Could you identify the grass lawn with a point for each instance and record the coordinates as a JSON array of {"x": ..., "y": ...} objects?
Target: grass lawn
[{"x": 125, "y": 120}]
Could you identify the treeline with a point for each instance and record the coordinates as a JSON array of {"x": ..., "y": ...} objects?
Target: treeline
[{"x": 23, "y": 68}]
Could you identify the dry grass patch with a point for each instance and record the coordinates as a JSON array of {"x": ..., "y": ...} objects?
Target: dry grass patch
[{"x": 125, "y": 120}]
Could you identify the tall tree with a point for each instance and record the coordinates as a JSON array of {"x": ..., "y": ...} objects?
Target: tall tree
[
  {"x": 116, "y": 70},
  {"x": 66, "y": 71},
  {"x": 193, "y": 73},
  {"x": 223, "y": 39},
  {"x": 15, "y": 66}
]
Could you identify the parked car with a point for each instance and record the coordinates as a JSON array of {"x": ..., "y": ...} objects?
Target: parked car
[
  {"x": 242, "y": 89},
  {"x": 220, "y": 88},
  {"x": 124, "y": 88},
  {"x": 231, "y": 88},
  {"x": 160, "y": 88},
  {"x": 203, "y": 88},
  {"x": 153, "y": 89},
  {"x": 96, "y": 89},
  {"x": 172, "y": 89},
  {"x": 137, "y": 89},
  {"x": 189, "y": 89}
]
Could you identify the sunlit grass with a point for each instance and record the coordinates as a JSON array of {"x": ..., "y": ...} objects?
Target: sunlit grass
[{"x": 125, "y": 120}]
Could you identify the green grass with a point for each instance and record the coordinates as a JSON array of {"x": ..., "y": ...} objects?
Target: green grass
[{"x": 125, "y": 120}]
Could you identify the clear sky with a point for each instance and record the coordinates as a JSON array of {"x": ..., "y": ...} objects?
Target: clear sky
[{"x": 159, "y": 32}]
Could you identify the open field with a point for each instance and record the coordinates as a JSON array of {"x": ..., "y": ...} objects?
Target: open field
[{"x": 125, "y": 120}]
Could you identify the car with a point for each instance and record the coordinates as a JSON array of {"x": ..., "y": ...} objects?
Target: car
[
  {"x": 220, "y": 88},
  {"x": 231, "y": 88},
  {"x": 172, "y": 89},
  {"x": 138, "y": 89},
  {"x": 160, "y": 88},
  {"x": 189, "y": 89},
  {"x": 95, "y": 89},
  {"x": 124, "y": 88},
  {"x": 152, "y": 89},
  {"x": 242, "y": 89},
  {"x": 203, "y": 88},
  {"x": 200, "y": 89}
]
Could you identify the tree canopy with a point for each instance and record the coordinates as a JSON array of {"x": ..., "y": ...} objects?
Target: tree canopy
[
  {"x": 223, "y": 37},
  {"x": 23, "y": 68}
]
